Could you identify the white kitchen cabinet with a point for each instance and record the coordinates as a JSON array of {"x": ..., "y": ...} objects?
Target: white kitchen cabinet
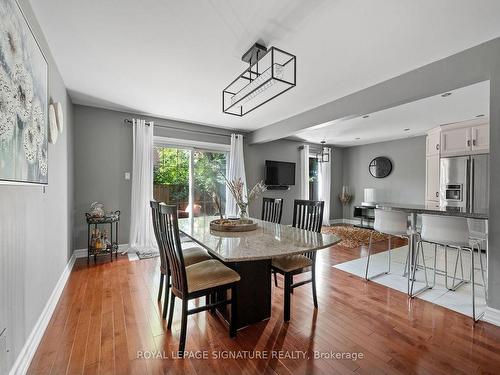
[
  {"x": 480, "y": 138},
  {"x": 455, "y": 141},
  {"x": 432, "y": 178},
  {"x": 432, "y": 142}
]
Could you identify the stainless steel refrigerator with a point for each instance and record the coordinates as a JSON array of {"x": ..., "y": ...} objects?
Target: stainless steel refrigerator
[{"x": 464, "y": 183}]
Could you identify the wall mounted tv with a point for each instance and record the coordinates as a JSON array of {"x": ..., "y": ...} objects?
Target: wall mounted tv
[{"x": 280, "y": 173}]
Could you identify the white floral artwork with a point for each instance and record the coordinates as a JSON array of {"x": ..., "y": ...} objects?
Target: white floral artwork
[{"x": 23, "y": 100}]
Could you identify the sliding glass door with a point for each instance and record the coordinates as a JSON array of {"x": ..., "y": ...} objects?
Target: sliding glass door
[
  {"x": 189, "y": 179},
  {"x": 208, "y": 180}
]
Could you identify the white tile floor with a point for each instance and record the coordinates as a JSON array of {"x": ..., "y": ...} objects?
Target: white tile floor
[{"x": 459, "y": 300}]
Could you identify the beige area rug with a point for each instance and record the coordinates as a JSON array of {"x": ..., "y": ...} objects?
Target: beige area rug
[{"x": 352, "y": 236}]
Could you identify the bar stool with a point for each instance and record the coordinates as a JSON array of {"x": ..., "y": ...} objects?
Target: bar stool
[
  {"x": 391, "y": 223},
  {"x": 452, "y": 232}
]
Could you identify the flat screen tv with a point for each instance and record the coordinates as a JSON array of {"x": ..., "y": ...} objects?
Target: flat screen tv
[{"x": 280, "y": 173}]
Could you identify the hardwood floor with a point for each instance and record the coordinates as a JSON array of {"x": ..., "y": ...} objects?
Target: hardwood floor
[{"x": 108, "y": 315}]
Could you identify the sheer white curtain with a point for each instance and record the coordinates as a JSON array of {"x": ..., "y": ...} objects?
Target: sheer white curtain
[
  {"x": 141, "y": 225},
  {"x": 324, "y": 183},
  {"x": 236, "y": 170},
  {"x": 304, "y": 172}
]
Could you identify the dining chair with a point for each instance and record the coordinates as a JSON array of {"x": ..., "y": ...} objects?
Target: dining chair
[
  {"x": 307, "y": 215},
  {"x": 197, "y": 280},
  {"x": 192, "y": 255},
  {"x": 453, "y": 232},
  {"x": 272, "y": 209}
]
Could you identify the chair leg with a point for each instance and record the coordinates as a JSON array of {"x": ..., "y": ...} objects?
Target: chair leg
[
  {"x": 165, "y": 298},
  {"x": 171, "y": 310},
  {"x": 234, "y": 312},
  {"x": 369, "y": 253},
  {"x": 389, "y": 255},
  {"x": 313, "y": 277},
  {"x": 213, "y": 299},
  {"x": 287, "y": 293},
  {"x": 423, "y": 262},
  {"x": 275, "y": 279},
  {"x": 446, "y": 267},
  {"x": 473, "y": 286},
  {"x": 405, "y": 272},
  {"x": 182, "y": 339},
  {"x": 482, "y": 271},
  {"x": 160, "y": 289},
  {"x": 435, "y": 265}
]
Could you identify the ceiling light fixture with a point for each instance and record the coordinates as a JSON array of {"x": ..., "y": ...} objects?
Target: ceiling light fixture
[
  {"x": 366, "y": 116},
  {"x": 324, "y": 155},
  {"x": 481, "y": 115},
  {"x": 271, "y": 73},
  {"x": 357, "y": 138},
  {"x": 407, "y": 129},
  {"x": 446, "y": 94}
]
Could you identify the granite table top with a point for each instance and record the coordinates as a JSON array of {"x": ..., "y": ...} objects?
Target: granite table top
[{"x": 267, "y": 241}]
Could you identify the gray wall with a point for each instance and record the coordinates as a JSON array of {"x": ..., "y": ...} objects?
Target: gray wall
[
  {"x": 103, "y": 153},
  {"x": 406, "y": 183},
  {"x": 35, "y": 227},
  {"x": 285, "y": 150},
  {"x": 494, "y": 209}
]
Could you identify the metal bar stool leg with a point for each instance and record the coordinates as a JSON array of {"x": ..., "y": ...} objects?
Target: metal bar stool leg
[
  {"x": 427, "y": 286},
  {"x": 454, "y": 285},
  {"x": 482, "y": 271},
  {"x": 405, "y": 271}
]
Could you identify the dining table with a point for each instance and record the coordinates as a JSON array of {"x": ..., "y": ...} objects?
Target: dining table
[
  {"x": 413, "y": 210},
  {"x": 250, "y": 254}
]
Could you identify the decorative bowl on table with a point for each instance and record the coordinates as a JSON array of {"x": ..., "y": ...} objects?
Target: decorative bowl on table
[{"x": 228, "y": 225}]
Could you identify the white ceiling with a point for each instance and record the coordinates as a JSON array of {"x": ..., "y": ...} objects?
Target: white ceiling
[
  {"x": 420, "y": 116},
  {"x": 173, "y": 58}
]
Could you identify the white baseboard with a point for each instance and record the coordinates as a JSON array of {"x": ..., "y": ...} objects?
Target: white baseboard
[
  {"x": 344, "y": 221},
  {"x": 492, "y": 316},
  {"x": 82, "y": 253},
  {"x": 24, "y": 358}
]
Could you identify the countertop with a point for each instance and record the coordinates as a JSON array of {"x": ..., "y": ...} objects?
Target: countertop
[
  {"x": 433, "y": 210},
  {"x": 267, "y": 241}
]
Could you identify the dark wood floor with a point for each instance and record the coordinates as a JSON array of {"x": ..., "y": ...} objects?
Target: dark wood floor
[{"x": 108, "y": 313}]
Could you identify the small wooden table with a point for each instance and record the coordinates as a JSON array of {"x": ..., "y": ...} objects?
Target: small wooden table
[{"x": 250, "y": 254}]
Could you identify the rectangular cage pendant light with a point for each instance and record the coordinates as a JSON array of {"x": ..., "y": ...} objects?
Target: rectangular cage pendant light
[{"x": 271, "y": 73}]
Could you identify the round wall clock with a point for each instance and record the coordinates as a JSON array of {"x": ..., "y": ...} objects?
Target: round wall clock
[{"x": 380, "y": 167}]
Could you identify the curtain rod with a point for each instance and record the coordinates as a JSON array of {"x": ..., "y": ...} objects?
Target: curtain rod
[{"x": 148, "y": 123}]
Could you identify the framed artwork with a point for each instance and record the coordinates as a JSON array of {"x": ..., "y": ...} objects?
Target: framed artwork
[{"x": 24, "y": 96}]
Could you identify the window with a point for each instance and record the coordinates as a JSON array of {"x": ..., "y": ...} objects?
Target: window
[
  {"x": 313, "y": 178},
  {"x": 188, "y": 178}
]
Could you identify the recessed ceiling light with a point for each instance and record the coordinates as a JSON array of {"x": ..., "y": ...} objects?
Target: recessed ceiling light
[
  {"x": 407, "y": 129},
  {"x": 446, "y": 94},
  {"x": 481, "y": 115},
  {"x": 366, "y": 116}
]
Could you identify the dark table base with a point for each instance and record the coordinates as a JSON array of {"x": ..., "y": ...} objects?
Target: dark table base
[{"x": 254, "y": 292}]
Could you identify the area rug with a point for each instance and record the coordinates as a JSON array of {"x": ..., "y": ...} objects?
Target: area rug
[{"x": 353, "y": 236}]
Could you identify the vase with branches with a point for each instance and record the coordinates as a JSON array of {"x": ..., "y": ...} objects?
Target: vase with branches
[
  {"x": 236, "y": 188},
  {"x": 345, "y": 197}
]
